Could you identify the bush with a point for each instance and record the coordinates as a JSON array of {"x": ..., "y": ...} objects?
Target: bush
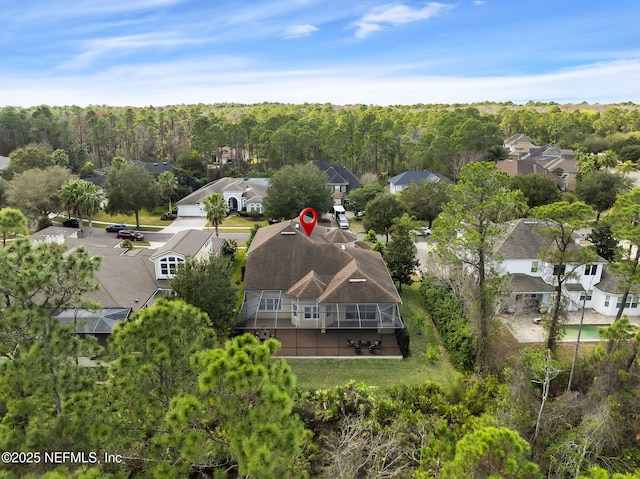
[
  {"x": 452, "y": 323},
  {"x": 128, "y": 244},
  {"x": 168, "y": 217}
]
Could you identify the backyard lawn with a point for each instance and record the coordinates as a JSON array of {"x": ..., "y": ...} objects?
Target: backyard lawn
[{"x": 325, "y": 373}]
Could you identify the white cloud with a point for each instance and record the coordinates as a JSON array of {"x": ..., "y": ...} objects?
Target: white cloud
[
  {"x": 231, "y": 79},
  {"x": 298, "y": 31},
  {"x": 395, "y": 14}
]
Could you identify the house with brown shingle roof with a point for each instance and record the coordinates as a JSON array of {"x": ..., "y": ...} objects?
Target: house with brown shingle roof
[{"x": 325, "y": 282}]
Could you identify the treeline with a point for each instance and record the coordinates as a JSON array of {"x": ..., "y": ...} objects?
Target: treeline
[{"x": 363, "y": 138}]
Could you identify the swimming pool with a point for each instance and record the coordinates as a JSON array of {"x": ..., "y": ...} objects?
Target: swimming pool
[{"x": 590, "y": 332}]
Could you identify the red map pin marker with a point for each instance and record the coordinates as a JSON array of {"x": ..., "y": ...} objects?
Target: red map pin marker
[{"x": 308, "y": 226}]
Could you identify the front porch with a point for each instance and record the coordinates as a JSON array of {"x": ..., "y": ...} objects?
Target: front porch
[{"x": 329, "y": 343}]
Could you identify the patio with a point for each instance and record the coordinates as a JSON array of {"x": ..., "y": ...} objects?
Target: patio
[{"x": 332, "y": 343}]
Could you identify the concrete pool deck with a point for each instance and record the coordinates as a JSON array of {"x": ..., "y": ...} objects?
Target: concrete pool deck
[{"x": 525, "y": 330}]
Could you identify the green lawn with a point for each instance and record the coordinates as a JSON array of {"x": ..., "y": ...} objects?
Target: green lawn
[
  {"x": 325, "y": 373},
  {"x": 239, "y": 221},
  {"x": 146, "y": 218}
]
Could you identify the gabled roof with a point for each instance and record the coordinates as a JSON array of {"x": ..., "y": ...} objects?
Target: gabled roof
[
  {"x": 338, "y": 174},
  {"x": 518, "y": 138},
  {"x": 188, "y": 243},
  {"x": 415, "y": 176},
  {"x": 339, "y": 236},
  {"x": 282, "y": 257},
  {"x": 257, "y": 186},
  {"x": 309, "y": 286},
  {"x": 522, "y": 240}
]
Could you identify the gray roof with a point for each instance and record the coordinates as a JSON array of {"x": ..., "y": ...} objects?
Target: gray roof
[
  {"x": 523, "y": 283},
  {"x": 282, "y": 257},
  {"x": 522, "y": 240},
  {"x": 415, "y": 176},
  {"x": 253, "y": 188},
  {"x": 188, "y": 243},
  {"x": 609, "y": 282},
  {"x": 125, "y": 280},
  {"x": 338, "y": 175}
]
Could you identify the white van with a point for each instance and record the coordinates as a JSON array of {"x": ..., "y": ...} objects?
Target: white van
[{"x": 343, "y": 223}]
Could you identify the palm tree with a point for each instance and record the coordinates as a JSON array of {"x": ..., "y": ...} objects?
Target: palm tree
[
  {"x": 90, "y": 201},
  {"x": 82, "y": 197},
  {"x": 168, "y": 184},
  {"x": 215, "y": 209}
]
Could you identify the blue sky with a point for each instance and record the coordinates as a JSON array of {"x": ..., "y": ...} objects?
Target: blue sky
[{"x": 162, "y": 52}]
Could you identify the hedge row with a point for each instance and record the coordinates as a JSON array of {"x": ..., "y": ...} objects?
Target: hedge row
[{"x": 451, "y": 322}]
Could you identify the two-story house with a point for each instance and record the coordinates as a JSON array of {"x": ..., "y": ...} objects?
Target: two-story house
[
  {"x": 320, "y": 290},
  {"x": 532, "y": 280}
]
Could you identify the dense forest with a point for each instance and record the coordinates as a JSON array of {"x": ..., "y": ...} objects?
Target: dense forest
[{"x": 383, "y": 140}]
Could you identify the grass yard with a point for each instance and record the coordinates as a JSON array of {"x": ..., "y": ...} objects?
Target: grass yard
[
  {"x": 146, "y": 218},
  {"x": 325, "y": 373},
  {"x": 239, "y": 221}
]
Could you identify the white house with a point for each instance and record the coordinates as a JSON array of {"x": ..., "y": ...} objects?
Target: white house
[
  {"x": 532, "y": 280},
  {"x": 401, "y": 182},
  {"x": 238, "y": 193},
  {"x": 185, "y": 244}
]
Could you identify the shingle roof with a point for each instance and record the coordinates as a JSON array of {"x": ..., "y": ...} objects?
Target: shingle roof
[
  {"x": 125, "y": 281},
  {"x": 257, "y": 186},
  {"x": 523, "y": 283},
  {"x": 339, "y": 236},
  {"x": 415, "y": 176},
  {"x": 338, "y": 175},
  {"x": 282, "y": 257},
  {"x": 188, "y": 243}
]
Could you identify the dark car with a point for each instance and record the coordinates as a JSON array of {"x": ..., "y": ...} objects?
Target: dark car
[
  {"x": 130, "y": 235},
  {"x": 115, "y": 228},
  {"x": 71, "y": 223}
]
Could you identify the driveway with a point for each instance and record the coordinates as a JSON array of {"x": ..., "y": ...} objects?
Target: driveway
[{"x": 185, "y": 223}]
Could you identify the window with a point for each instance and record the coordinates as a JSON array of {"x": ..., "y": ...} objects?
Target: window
[
  {"x": 337, "y": 188},
  {"x": 311, "y": 312},
  {"x": 534, "y": 267},
  {"x": 631, "y": 302},
  {"x": 558, "y": 269},
  {"x": 586, "y": 294},
  {"x": 607, "y": 300},
  {"x": 270, "y": 304},
  {"x": 294, "y": 310},
  {"x": 329, "y": 310},
  {"x": 169, "y": 265},
  {"x": 591, "y": 269}
]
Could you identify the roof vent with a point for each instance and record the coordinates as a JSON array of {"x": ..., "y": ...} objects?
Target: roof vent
[
  {"x": 297, "y": 226},
  {"x": 287, "y": 232},
  {"x": 357, "y": 280},
  {"x": 529, "y": 222},
  {"x": 343, "y": 247}
]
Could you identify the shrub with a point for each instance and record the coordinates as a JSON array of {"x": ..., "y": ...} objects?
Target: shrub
[
  {"x": 452, "y": 323},
  {"x": 128, "y": 244}
]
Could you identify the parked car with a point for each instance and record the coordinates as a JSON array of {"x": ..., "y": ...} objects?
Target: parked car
[
  {"x": 422, "y": 231},
  {"x": 343, "y": 223},
  {"x": 130, "y": 235},
  {"x": 115, "y": 228},
  {"x": 71, "y": 223}
]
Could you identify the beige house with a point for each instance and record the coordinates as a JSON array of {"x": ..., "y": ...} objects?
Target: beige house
[{"x": 185, "y": 244}]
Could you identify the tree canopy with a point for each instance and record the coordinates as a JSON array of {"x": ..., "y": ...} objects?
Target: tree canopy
[
  {"x": 381, "y": 213},
  {"x": 130, "y": 188},
  {"x": 294, "y": 188}
]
